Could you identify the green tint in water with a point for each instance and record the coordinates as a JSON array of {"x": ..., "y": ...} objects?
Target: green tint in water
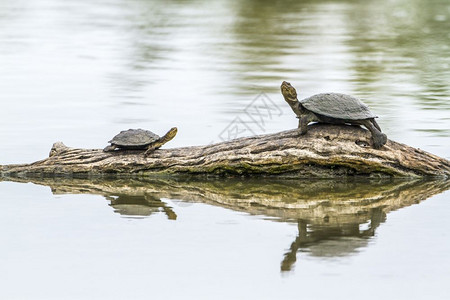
[
  {"x": 193, "y": 236},
  {"x": 324, "y": 209},
  {"x": 81, "y": 72}
]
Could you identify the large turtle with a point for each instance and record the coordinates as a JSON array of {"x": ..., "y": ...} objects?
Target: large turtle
[
  {"x": 140, "y": 139},
  {"x": 333, "y": 108}
]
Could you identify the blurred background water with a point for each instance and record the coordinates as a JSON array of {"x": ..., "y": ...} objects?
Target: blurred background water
[{"x": 81, "y": 71}]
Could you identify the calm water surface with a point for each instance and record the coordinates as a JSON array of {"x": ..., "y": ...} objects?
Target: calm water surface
[{"x": 81, "y": 71}]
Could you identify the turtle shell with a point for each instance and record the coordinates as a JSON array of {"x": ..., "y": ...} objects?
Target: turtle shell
[
  {"x": 134, "y": 138},
  {"x": 338, "y": 106}
]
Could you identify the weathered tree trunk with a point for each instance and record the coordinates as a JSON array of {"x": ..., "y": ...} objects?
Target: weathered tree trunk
[{"x": 325, "y": 151}]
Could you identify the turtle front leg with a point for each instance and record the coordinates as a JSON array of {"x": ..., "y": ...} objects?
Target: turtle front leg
[
  {"x": 152, "y": 148},
  {"x": 379, "y": 138},
  {"x": 304, "y": 119},
  {"x": 303, "y": 124}
]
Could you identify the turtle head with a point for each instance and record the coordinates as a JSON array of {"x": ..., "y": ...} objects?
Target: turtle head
[
  {"x": 289, "y": 93},
  {"x": 171, "y": 133}
]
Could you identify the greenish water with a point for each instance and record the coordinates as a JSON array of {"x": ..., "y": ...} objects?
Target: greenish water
[{"x": 81, "y": 71}]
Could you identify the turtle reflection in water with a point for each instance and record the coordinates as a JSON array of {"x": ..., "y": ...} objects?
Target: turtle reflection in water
[
  {"x": 139, "y": 139},
  {"x": 331, "y": 240},
  {"x": 140, "y": 205},
  {"x": 333, "y": 108}
]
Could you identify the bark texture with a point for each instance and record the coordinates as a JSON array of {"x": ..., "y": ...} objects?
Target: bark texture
[{"x": 325, "y": 151}]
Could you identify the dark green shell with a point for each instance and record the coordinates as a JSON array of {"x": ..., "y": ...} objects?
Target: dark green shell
[
  {"x": 338, "y": 106},
  {"x": 134, "y": 138}
]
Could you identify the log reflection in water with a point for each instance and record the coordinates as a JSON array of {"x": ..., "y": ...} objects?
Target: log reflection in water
[{"x": 331, "y": 215}]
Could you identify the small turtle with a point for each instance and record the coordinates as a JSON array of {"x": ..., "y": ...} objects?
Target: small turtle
[
  {"x": 139, "y": 139},
  {"x": 332, "y": 108}
]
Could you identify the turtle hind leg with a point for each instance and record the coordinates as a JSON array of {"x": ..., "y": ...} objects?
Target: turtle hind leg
[
  {"x": 379, "y": 138},
  {"x": 110, "y": 148},
  {"x": 375, "y": 124}
]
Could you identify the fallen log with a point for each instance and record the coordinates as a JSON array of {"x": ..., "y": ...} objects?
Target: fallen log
[{"x": 325, "y": 151}]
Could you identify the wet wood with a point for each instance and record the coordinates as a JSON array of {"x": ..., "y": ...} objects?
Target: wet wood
[{"x": 325, "y": 151}]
